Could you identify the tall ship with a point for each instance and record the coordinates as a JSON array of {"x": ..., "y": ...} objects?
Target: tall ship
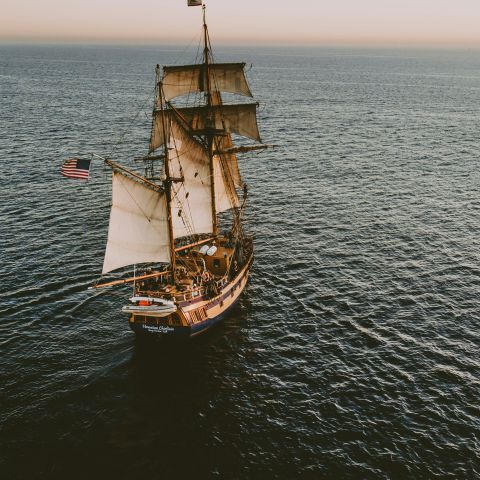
[{"x": 179, "y": 223}]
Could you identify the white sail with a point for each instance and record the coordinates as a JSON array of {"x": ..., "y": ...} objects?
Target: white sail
[
  {"x": 225, "y": 195},
  {"x": 157, "y": 137},
  {"x": 191, "y": 198},
  {"x": 224, "y": 77},
  {"x": 237, "y": 118},
  {"x": 228, "y": 161},
  {"x": 223, "y": 144},
  {"x": 138, "y": 230}
]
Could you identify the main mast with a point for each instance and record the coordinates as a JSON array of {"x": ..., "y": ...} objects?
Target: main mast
[{"x": 210, "y": 136}]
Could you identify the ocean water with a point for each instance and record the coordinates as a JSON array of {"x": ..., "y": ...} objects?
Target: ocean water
[{"x": 353, "y": 353}]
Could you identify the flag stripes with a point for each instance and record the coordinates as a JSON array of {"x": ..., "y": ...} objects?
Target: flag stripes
[{"x": 76, "y": 168}]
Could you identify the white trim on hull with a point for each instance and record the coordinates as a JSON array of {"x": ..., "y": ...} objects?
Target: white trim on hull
[{"x": 199, "y": 314}]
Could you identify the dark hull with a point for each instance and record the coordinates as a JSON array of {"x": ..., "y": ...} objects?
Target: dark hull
[
  {"x": 196, "y": 316},
  {"x": 179, "y": 332}
]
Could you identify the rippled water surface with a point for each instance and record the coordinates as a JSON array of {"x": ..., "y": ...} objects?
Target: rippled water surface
[{"x": 354, "y": 352}]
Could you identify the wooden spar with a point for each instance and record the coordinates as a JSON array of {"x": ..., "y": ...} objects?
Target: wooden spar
[
  {"x": 242, "y": 149},
  {"x": 151, "y": 275},
  {"x": 168, "y": 179},
  {"x": 116, "y": 166},
  {"x": 205, "y": 53},
  {"x": 210, "y": 137},
  {"x": 195, "y": 244},
  {"x": 212, "y": 181},
  {"x": 179, "y": 115},
  {"x": 128, "y": 280},
  {"x": 149, "y": 158}
]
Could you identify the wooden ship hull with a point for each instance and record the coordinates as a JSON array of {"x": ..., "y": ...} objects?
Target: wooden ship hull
[{"x": 195, "y": 314}]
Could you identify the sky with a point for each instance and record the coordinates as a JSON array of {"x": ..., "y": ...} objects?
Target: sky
[{"x": 322, "y": 22}]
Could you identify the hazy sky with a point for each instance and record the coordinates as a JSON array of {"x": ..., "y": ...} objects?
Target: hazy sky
[{"x": 406, "y": 22}]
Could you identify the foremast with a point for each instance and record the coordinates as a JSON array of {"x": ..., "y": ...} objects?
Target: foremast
[{"x": 167, "y": 182}]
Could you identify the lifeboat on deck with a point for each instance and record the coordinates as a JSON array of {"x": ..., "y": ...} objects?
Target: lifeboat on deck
[{"x": 150, "y": 306}]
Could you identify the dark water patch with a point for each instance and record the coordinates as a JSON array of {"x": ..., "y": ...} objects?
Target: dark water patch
[{"x": 354, "y": 351}]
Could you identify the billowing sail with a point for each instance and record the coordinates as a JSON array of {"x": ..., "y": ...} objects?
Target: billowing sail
[
  {"x": 159, "y": 130},
  {"x": 191, "y": 198},
  {"x": 225, "y": 194},
  {"x": 223, "y": 143},
  {"x": 138, "y": 230},
  {"x": 227, "y": 161},
  {"x": 237, "y": 118},
  {"x": 224, "y": 77}
]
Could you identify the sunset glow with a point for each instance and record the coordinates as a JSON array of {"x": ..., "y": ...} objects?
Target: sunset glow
[{"x": 377, "y": 22}]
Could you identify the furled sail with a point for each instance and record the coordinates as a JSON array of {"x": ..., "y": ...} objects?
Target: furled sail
[
  {"x": 138, "y": 230},
  {"x": 191, "y": 198},
  {"x": 224, "y": 77}
]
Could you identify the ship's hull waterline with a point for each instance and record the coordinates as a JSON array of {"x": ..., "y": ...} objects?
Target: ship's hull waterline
[{"x": 195, "y": 316}]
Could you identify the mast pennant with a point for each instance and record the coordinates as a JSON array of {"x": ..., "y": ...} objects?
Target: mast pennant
[{"x": 194, "y": 3}]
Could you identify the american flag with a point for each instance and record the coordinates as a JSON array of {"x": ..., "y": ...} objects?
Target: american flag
[{"x": 76, "y": 168}]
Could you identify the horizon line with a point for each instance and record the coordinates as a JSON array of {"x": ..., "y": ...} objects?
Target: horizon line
[{"x": 181, "y": 42}]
